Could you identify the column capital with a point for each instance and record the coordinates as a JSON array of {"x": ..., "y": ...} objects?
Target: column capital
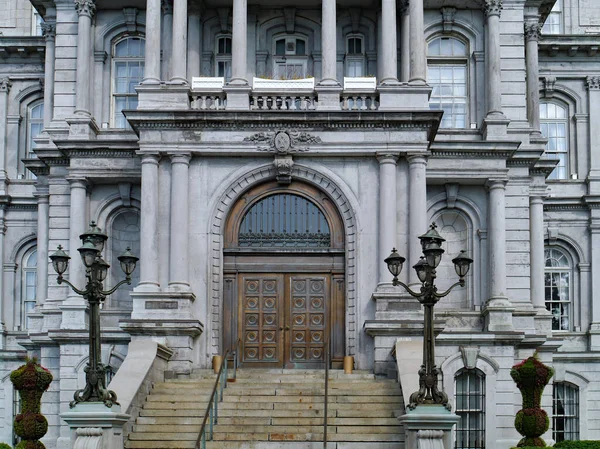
[
  {"x": 150, "y": 158},
  {"x": 403, "y": 7},
  {"x": 77, "y": 182},
  {"x": 593, "y": 82},
  {"x": 416, "y": 158},
  {"x": 180, "y": 158},
  {"x": 387, "y": 158},
  {"x": 5, "y": 85},
  {"x": 537, "y": 194},
  {"x": 492, "y": 7},
  {"x": 49, "y": 31},
  {"x": 167, "y": 6},
  {"x": 85, "y": 8},
  {"x": 492, "y": 184},
  {"x": 532, "y": 30}
]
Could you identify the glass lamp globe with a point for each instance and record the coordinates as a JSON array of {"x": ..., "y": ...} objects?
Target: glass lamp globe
[
  {"x": 128, "y": 261},
  {"x": 394, "y": 262}
]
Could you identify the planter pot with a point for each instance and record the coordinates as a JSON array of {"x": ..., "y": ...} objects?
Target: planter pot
[
  {"x": 217, "y": 361},
  {"x": 304, "y": 84},
  {"x": 360, "y": 83},
  {"x": 348, "y": 364},
  {"x": 208, "y": 83}
]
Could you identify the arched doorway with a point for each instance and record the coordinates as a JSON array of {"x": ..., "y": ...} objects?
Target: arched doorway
[{"x": 284, "y": 277}]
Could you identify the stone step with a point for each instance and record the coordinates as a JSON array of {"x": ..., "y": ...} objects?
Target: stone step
[
  {"x": 141, "y": 444},
  {"x": 298, "y": 445},
  {"x": 340, "y": 399}
]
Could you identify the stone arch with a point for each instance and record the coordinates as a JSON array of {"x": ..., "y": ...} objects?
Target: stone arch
[{"x": 345, "y": 204}]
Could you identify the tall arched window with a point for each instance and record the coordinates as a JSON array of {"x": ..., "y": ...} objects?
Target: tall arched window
[
  {"x": 447, "y": 69},
  {"x": 125, "y": 233},
  {"x": 553, "y": 124},
  {"x": 28, "y": 286},
  {"x": 127, "y": 72},
  {"x": 557, "y": 287},
  {"x": 470, "y": 407},
  {"x": 35, "y": 125},
  {"x": 565, "y": 411},
  {"x": 223, "y": 57},
  {"x": 355, "y": 55}
]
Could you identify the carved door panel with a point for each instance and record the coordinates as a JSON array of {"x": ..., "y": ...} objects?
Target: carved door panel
[
  {"x": 307, "y": 299},
  {"x": 260, "y": 323}
]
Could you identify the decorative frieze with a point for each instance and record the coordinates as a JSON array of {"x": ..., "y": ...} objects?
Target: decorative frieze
[
  {"x": 593, "y": 82},
  {"x": 85, "y": 7},
  {"x": 532, "y": 30},
  {"x": 492, "y": 7},
  {"x": 283, "y": 142}
]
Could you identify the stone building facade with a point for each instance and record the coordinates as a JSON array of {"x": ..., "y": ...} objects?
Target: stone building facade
[{"x": 263, "y": 158}]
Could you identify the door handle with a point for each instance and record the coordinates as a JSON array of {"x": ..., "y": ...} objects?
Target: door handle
[{"x": 287, "y": 328}]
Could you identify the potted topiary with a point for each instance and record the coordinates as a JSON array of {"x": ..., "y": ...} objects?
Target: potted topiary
[
  {"x": 531, "y": 376},
  {"x": 31, "y": 380}
]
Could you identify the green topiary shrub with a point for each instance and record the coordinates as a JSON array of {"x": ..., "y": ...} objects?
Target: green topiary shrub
[
  {"x": 531, "y": 376},
  {"x": 584, "y": 444},
  {"x": 31, "y": 380},
  {"x": 5, "y": 446}
]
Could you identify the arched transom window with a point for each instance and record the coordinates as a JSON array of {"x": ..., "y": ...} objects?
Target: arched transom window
[
  {"x": 284, "y": 220},
  {"x": 557, "y": 285},
  {"x": 128, "y": 72},
  {"x": 553, "y": 124}
]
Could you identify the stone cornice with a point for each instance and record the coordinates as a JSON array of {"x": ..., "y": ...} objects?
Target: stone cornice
[
  {"x": 571, "y": 45},
  {"x": 556, "y": 204},
  {"x": 22, "y": 47}
]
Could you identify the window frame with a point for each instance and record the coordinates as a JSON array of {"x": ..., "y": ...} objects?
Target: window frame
[
  {"x": 568, "y": 269},
  {"x": 554, "y": 28},
  {"x": 454, "y": 61},
  {"x": 114, "y": 60},
  {"x": 29, "y": 134},
  {"x": 567, "y": 138},
  {"x": 566, "y": 387},
  {"x": 23, "y": 298},
  {"x": 355, "y": 57},
  {"x": 290, "y": 57},
  {"x": 225, "y": 58},
  {"x": 480, "y": 413}
]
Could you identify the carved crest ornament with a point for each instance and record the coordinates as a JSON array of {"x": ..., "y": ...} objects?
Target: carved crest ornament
[{"x": 283, "y": 142}]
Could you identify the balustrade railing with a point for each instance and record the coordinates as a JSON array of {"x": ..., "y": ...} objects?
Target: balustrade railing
[
  {"x": 209, "y": 101},
  {"x": 359, "y": 101},
  {"x": 282, "y": 102}
]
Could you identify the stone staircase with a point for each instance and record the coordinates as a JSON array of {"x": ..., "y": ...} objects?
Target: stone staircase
[{"x": 274, "y": 409}]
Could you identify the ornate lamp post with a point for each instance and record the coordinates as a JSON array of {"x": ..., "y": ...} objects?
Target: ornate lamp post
[
  {"x": 96, "y": 271},
  {"x": 431, "y": 242}
]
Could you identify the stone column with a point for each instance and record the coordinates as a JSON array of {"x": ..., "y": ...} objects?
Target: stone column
[
  {"x": 167, "y": 36},
  {"x": 387, "y": 212},
  {"x": 404, "y": 42},
  {"x": 418, "y": 59},
  {"x": 532, "y": 35},
  {"x": 492, "y": 10},
  {"x": 194, "y": 42},
  {"x": 85, "y": 11},
  {"x": 152, "y": 51},
  {"x": 417, "y": 218},
  {"x": 595, "y": 284},
  {"x": 389, "y": 47},
  {"x": 536, "y": 251},
  {"x": 179, "y": 49},
  {"x": 149, "y": 224},
  {"x": 498, "y": 311},
  {"x": 178, "y": 263},
  {"x": 239, "y": 43},
  {"x": 41, "y": 292},
  {"x": 49, "y": 30},
  {"x": 3, "y": 205},
  {"x": 593, "y": 87},
  {"x": 328, "y": 43},
  {"x": 5, "y": 85}
]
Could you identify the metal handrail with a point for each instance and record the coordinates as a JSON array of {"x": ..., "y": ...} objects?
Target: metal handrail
[
  {"x": 326, "y": 396},
  {"x": 212, "y": 410}
]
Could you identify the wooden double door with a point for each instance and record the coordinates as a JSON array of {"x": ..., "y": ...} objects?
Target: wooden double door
[{"x": 288, "y": 319}]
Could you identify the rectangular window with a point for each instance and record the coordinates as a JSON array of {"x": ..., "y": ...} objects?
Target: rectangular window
[
  {"x": 354, "y": 67},
  {"x": 552, "y": 25},
  {"x": 470, "y": 407},
  {"x": 565, "y": 412},
  {"x": 449, "y": 93}
]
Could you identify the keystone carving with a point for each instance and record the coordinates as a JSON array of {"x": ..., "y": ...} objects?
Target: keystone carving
[
  {"x": 85, "y": 7},
  {"x": 448, "y": 13},
  {"x": 283, "y": 142},
  {"x": 492, "y": 7},
  {"x": 283, "y": 167}
]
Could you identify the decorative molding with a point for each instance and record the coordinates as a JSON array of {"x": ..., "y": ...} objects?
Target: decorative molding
[
  {"x": 99, "y": 153},
  {"x": 85, "y": 7},
  {"x": 130, "y": 15},
  {"x": 290, "y": 19},
  {"x": 532, "y": 30},
  {"x": 451, "y": 194},
  {"x": 469, "y": 356},
  {"x": 283, "y": 142},
  {"x": 5, "y": 85},
  {"x": 593, "y": 82},
  {"x": 492, "y": 7},
  {"x": 448, "y": 13}
]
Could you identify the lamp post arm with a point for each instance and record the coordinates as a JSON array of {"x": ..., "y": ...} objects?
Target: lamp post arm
[
  {"x": 60, "y": 280},
  {"x": 447, "y": 292},
  {"x": 127, "y": 280},
  {"x": 412, "y": 293}
]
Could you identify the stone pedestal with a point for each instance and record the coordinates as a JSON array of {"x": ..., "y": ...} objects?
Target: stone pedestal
[
  {"x": 329, "y": 97},
  {"x": 429, "y": 427},
  {"x": 238, "y": 97},
  {"x": 398, "y": 97},
  {"x": 82, "y": 127},
  {"x": 93, "y": 425},
  {"x": 498, "y": 315},
  {"x": 163, "y": 96}
]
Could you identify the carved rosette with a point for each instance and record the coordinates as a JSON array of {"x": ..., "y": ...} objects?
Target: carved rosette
[
  {"x": 48, "y": 31},
  {"x": 593, "y": 82},
  {"x": 283, "y": 142},
  {"x": 85, "y": 7},
  {"x": 532, "y": 31},
  {"x": 492, "y": 7},
  {"x": 5, "y": 85}
]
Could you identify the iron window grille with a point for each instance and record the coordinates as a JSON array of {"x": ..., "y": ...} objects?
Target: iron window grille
[
  {"x": 565, "y": 412},
  {"x": 470, "y": 407}
]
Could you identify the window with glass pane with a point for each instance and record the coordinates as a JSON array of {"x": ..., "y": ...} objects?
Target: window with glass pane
[
  {"x": 553, "y": 22},
  {"x": 35, "y": 125},
  {"x": 223, "y": 58},
  {"x": 470, "y": 407},
  {"x": 355, "y": 60},
  {"x": 553, "y": 124},
  {"x": 565, "y": 412},
  {"x": 36, "y": 24},
  {"x": 128, "y": 72},
  {"x": 447, "y": 75},
  {"x": 557, "y": 284},
  {"x": 28, "y": 287},
  {"x": 284, "y": 220}
]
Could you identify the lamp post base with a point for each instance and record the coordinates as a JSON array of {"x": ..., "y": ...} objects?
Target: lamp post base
[
  {"x": 429, "y": 426},
  {"x": 92, "y": 424}
]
